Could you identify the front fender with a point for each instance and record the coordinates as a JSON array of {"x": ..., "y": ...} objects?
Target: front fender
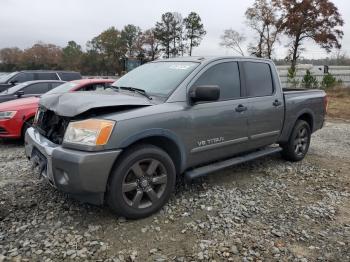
[{"x": 158, "y": 132}]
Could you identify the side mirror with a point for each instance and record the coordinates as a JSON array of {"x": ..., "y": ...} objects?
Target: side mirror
[
  {"x": 13, "y": 82},
  {"x": 204, "y": 93},
  {"x": 20, "y": 93}
]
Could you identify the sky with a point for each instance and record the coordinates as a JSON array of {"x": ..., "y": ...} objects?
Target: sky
[{"x": 25, "y": 22}]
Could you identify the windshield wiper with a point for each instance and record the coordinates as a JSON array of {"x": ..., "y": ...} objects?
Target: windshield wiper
[{"x": 137, "y": 90}]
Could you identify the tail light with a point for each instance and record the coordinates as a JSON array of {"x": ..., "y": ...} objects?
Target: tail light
[{"x": 326, "y": 102}]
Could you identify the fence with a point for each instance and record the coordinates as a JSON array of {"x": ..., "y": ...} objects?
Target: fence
[{"x": 339, "y": 72}]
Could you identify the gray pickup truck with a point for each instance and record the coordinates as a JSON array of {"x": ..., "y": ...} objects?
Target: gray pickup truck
[{"x": 165, "y": 120}]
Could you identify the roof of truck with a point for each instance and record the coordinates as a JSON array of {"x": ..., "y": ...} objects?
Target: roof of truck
[{"x": 211, "y": 58}]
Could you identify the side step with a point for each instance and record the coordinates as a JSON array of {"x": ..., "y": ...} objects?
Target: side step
[{"x": 204, "y": 170}]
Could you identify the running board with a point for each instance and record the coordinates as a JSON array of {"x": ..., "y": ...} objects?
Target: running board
[{"x": 204, "y": 170}]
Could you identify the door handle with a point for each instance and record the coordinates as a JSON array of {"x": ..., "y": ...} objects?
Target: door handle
[
  {"x": 241, "y": 108},
  {"x": 277, "y": 103}
]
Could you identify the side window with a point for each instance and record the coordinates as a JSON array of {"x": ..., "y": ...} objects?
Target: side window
[
  {"x": 258, "y": 79},
  {"x": 38, "y": 88},
  {"x": 54, "y": 85},
  {"x": 226, "y": 76},
  {"x": 23, "y": 77},
  {"x": 46, "y": 76},
  {"x": 69, "y": 76}
]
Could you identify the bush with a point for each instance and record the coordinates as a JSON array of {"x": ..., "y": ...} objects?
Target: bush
[
  {"x": 292, "y": 73},
  {"x": 309, "y": 81},
  {"x": 329, "y": 81}
]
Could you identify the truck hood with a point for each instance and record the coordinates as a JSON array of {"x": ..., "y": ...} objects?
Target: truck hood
[{"x": 73, "y": 104}]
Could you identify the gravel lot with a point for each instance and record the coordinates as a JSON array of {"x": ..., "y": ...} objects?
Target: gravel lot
[{"x": 268, "y": 209}]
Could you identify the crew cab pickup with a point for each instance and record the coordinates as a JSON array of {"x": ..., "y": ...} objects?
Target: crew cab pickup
[{"x": 165, "y": 120}]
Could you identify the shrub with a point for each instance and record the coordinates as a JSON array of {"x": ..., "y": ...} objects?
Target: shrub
[
  {"x": 329, "y": 81},
  {"x": 309, "y": 81},
  {"x": 292, "y": 73}
]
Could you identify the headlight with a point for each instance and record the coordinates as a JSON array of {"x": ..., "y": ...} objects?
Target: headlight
[
  {"x": 7, "y": 114},
  {"x": 91, "y": 132}
]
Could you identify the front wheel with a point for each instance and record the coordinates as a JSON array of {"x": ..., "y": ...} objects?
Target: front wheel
[
  {"x": 298, "y": 144},
  {"x": 141, "y": 182}
]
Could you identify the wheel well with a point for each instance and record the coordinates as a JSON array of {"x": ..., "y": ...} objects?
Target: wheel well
[
  {"x": 25, "y": 122},
  {"x": 308, "y": 119},
  {"x": 165, "y": 144}
]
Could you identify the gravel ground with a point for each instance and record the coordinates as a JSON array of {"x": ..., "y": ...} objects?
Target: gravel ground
[{"x": 268, "y": 209}]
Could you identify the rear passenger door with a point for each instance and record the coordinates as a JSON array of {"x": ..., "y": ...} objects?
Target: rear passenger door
[
  {"x": 265, "y": 104},
  {"x": 219, "y": 129}
]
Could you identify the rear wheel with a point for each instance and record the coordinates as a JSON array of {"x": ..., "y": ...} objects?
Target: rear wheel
[
  {"x": 298, "y": 144},
  {"x": 142, "y": 182}
]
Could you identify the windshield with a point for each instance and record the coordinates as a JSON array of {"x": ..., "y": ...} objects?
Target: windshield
[
  {"x": 14, "y": 89},
  {"x": 7, "y": 77},
  {"x": 66, "y": 87},
  {"x": 159, "y": 78}
]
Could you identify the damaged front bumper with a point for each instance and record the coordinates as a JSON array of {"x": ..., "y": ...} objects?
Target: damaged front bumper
[{"x": 83, "y": 175}]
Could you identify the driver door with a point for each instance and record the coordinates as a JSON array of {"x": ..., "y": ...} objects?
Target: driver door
[{"x": 219, "y": 129}]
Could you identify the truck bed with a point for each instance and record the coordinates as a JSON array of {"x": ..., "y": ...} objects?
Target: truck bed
[{"x": 300, "y": 101}]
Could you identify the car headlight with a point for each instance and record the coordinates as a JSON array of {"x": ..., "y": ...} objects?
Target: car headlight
[
  {"x": 91, "y": 132},
  {"x": 7, "y": 114}
]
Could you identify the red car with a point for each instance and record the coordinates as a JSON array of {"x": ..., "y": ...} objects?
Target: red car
[{"x": 17, "y": 115}]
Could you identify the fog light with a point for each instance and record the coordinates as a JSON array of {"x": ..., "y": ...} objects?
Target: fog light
[{"x": 62, "y": 178}]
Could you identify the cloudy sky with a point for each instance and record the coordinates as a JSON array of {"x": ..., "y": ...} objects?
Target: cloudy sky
[{"x": 25, "y": 22}]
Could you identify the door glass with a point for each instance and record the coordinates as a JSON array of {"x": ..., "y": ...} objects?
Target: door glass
[
  {"x": 54, "y": 85},
  {"x": 69, "y": 76},
  {"x": 258, "y": 79},
  {"x": 46, "y": 76},
  {"x": 226, "y": 76},
  {"x": 23, "y": 77},
  {"x": 39, "y": 88}
]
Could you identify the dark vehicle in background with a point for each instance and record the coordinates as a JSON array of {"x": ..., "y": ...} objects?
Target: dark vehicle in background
[
  {"x": 28, "y": 89},
  {"x": 166, "y": 119},
  {"x": 14, "y": 78}
]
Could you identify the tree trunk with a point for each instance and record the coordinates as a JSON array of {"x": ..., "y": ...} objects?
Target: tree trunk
[
  {"x": 191, "y": 43},
  {"x": 295, "y": 53}
]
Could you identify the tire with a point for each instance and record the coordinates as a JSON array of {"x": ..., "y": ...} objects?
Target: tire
[
  {"x": 299, "y": 141},
  {"x": 141, "y": 182}
]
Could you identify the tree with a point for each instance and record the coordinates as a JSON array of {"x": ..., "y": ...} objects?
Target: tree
[
  {"x": 169, "y": 33},
  {"x": 151, "y": 43},
  {"x": 194, "y": 30},
  {"x": 130, "y": 35},
  {"x": 10, "y": 59},
  {"x": 177, "y": 34},
  {"x": 42, "y": 56},
  {"x": 111, "y": 46},
  {"x": 262, "y": 18},
  {"x": 163, "y": 32},
  {"x": 71, "y": 56},
  {"x": 318, "y": 20},
  {"x": 234, "y": 40}
]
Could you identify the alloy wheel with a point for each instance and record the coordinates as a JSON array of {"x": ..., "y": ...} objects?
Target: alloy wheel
[{"x": 144, "y": 183}]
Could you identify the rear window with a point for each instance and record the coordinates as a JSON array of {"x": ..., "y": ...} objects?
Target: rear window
[
  {"x": 69, "y": 76},
  {"x": 258, "y": 79}
]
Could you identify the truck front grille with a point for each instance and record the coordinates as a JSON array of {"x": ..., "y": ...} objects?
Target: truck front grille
[{"x": 51, "y": 126}]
